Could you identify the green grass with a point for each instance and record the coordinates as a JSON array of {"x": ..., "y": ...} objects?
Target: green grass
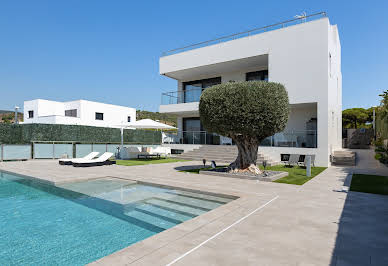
[
  {"x": 296, "y": 174},
  {"x": 378, "y": 156},
  {"x": 147, "y": 161},
  {"x": 370, "y": 184}
]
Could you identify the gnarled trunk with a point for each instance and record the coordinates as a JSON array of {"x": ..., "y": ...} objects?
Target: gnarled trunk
[{"x": 247, "y": 155}]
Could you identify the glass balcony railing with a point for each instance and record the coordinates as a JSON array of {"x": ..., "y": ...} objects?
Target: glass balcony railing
[
  {"x": 185, "y": 96},
  {"x": 297, "y": 138}
]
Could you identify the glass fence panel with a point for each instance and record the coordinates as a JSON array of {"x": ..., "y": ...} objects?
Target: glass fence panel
[
  {"x": 43, "y": 151},
  {"x": 63, "y": 150},
  {"x": 112, "y": 148},
  {"x": 298, "y": 139},
  {"x": 82, "y": 150},
  {"x": 16, "y": 152},
  {"x": 101, "y": 148}
]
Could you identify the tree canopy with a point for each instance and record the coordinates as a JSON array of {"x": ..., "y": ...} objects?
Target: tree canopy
[
  {"x": 356, "y": 117},
  {"x": 254, "y": 108},
  {"x": 247, "y": 112}
]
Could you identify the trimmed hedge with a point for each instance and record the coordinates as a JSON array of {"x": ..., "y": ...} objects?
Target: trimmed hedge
[
  {"x": 382, "y": 126},
  {"x": 26, "y": 133}
]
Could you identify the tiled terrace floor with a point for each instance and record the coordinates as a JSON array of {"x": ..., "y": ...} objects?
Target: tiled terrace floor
[{"x": 319, "y": 223}]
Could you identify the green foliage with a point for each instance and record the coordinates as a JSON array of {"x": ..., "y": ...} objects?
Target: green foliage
[
  {"x": 163, "y": 118},
  {"x": 25, "y": 133},
  {"x": 252, "y": 108},
  {"x": 384, "y": 104},
  {"x": 356, "y": 117}
]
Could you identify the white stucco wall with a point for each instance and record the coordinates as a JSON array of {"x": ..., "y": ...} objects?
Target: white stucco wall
[
  {"x": 298, "y": 57},
  {"x": 51, "y": 112}
]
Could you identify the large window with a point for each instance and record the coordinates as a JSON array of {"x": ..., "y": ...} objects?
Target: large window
[
  {"x": 193, "y": 89},
  {"x": 30, "y": 114},
  {"x": 72, "y": 112},
  {"x": 99, "y": 116},
  {"x": 257, "y": 75}
]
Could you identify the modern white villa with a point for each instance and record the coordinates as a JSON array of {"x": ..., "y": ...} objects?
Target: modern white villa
[
  {"x": 79, "y": 112},
  {"x": 304, "y": 56}
]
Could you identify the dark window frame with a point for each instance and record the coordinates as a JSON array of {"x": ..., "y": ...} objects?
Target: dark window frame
[
  {"x": 203, "y": 82},
  {"x": 97, "y": 116},
  {"x": 129, "y": 119},
  {"x": 71, "y": 112},
  {"x": 260, "y": 73},
  {"x": 31, "y": 114}
]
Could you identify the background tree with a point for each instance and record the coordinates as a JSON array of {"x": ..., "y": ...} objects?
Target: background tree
[
  {"x": 355, "y": 117},
  {"x": 384, "y": 104},
  {"x": 247, "y": 112}
]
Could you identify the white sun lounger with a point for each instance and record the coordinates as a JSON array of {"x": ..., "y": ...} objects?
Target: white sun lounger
[
  {"x": 70, "y": 161},
  {"x": 102, "y": 160}
]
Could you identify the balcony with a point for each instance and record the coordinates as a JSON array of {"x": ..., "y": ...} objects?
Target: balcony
[{"x": 186, "y": 96}]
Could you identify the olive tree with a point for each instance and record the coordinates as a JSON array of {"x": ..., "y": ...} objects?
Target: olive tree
[{"x": 247, "y": 112}]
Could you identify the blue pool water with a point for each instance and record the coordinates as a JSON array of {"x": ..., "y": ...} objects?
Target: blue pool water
[{"x": 78, "y": 223}]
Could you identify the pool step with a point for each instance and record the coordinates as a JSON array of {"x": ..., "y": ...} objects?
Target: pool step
[
  {"x": 216, "y": 199},
  {"x": 177, "y": 207},
  {"x": 153, "y": 220},
  {"x": 153, "y": 210},
  {"x": 192, "y": 202}
]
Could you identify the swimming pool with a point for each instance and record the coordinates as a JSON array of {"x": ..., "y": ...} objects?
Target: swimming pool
[{"x": 77, "y": 223}]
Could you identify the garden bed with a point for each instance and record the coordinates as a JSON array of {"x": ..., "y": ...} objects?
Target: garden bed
[{"x": 268, "y": 176}]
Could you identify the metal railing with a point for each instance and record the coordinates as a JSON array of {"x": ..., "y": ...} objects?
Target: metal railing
[
  {"x": 283, "y": 24},
  {"x": 184, "y": 96},
  {"x": 295, "y": 138}
]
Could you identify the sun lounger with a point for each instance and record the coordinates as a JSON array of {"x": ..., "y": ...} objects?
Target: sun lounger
[
  {"x": 102, "y": 160},
  {"x": 70, "y": 161}
]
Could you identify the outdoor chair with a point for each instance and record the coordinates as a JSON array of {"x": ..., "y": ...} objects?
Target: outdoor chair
[
  {"x": 284, "y": 158},
  {"x": 304, "y": 162},
  {"x": 294, "y": 158}
]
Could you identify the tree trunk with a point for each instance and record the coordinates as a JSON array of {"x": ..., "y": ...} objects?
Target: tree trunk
[{"x": 247, "y": 155}]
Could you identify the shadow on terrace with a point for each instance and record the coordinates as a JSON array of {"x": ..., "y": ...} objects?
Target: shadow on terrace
[{"x": 362, "y": 237}]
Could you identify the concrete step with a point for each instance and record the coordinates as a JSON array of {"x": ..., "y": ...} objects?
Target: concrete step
[{"x": 344, "y": 158}]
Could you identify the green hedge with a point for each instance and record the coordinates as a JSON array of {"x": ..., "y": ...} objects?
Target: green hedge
[
  {"x": 26, "y": 133},
  {"x": 381, "y": 126}
]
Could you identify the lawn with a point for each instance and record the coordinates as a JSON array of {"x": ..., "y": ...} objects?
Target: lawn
[
  {"x": 147, "y": 161},
  {"x": 370, "y": 184},
  {"x": 296, "y": 174}
]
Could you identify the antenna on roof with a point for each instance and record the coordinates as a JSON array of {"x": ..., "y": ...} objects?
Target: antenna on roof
[{"x": 302, "y": 16}]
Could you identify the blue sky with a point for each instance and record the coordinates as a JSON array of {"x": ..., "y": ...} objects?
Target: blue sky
[{"x": 108, "y": 50}]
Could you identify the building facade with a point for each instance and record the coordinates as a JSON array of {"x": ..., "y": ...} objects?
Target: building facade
[
  {"x": 305, "y": 57},
  {"x": 79, "y": 112}
]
